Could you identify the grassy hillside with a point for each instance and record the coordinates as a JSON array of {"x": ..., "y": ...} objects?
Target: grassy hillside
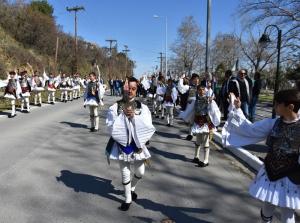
[{"x": 13, "y": 55}]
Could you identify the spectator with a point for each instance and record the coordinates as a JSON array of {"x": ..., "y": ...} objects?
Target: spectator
[
  {"x": 224, "y": 93},
  {"x": 255, "y": 93},
  {"x": 240, "y": 87}
]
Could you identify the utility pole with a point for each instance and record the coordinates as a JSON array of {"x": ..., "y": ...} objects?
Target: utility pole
[
  {"x": 126, "y": 53},
  {"x": 207, "y": 53},
  {"x": 161, "y": 61},
  {"x": 56, "y": 53},
  {"x": 111, "y": 41},
  {"x": 75, "y": 10}
]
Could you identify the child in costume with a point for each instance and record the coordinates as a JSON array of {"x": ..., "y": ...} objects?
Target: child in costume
[
  {"x": 206, "y": 117},
  {"x": 277, "y": 183}
]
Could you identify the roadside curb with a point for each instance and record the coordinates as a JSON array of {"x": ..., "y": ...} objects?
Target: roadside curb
[{"x": 253, "y": 161}]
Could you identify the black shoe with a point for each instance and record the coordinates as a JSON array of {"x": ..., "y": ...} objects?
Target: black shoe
[
  {"x": 65, "y": 101},
  {"x": 162, "y": 117},
  {"x": 147, "y": 143},
  {"x": 196, "y": 160},
  {"x": 52, "y": 103},
  {"x": 168, "y": 125},
  {"x": 26, "y": 111},
  {"x": 40, "y": 105},
  {"x": 201, "y": 164},
  {"x": 134, "y": 196},
  {"x": 92, "y": 129},
  {"x": 12, "y": 116},
  {"x": 156, "y": 116},
  {"x": 124, "y": 206},
  {"x": 189, "y": 137}
]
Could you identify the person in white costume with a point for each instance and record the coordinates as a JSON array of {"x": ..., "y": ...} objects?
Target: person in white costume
[
  {"x": 26, "y": 89},
  {"x": 76, "y": 88},
  {"x": 130, "y": 124},
  {"x": 12, "y": 91},
  {"x": 37, "y": 84},
  {"x": 160, "y": 92},
  {"x": 70, "y": 86},
  {"x": 207, "y": 116},
  {"x": 188, "y": 114},
  {"x": 277, "y": 183},
  {"x": 170, "y": 101},
  {"x": 51, "y": 84},
  {"x": 92, "y": 99},
  {"x": 63, "y": 86}
]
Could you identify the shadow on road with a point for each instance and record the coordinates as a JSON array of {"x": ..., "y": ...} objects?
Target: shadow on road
[
  {"x": 75, "y": 125},
  {"x": 89, "y": 184},
  {"x": 178, "y": 214},
  {"x": 4, "y": 113},
  {"x": 168, "y": 154},
  {"x": 167, "y": 135}
]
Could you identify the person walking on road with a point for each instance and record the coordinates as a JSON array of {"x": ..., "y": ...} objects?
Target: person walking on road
[
  {"x": 206, "y": 117},
  {"x": 277, "y": 183},
  {"x": 92, "y": 99},
  {"x": 13, "y": 91},
  {"x": 130, "y": 124}
]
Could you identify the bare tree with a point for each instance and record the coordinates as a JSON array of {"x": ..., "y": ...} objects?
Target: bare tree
[
  {"x": 187, "y": 48},
  {"x": 225, "y": 50},
  {"x": 285, "y": 14}
]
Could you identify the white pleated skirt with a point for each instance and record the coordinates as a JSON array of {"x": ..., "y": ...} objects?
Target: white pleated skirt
[
  {"x": 10, "y": 96},
  {"x": 91, "y": 102},
  {"x": 282, "y": 192},
  {"x": 117, "y": 154},
  {"x": 26, "y": 94}
]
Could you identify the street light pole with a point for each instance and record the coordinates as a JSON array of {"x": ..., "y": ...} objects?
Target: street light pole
[
  {"x": 166, "y": 49},
  {"x": 264, "y": 39},
  {"x": 207, "y": 50}
]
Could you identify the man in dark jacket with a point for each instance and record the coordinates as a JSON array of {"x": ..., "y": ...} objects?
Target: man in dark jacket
[{"x": 255, "y": 93}]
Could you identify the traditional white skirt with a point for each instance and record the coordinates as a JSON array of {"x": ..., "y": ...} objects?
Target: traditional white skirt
[
  {"x": 38, "y": 89},
  {"x": 196, "y": 129},
  {"x": 51, "y": 89},
  {"x": 282, "y": 192},
  {"x": 168, "y": 104},
  {"x": 10, "y": 96},
  {"x": 26, "y": 94},
  {"x": 77, "y": 87},
  {"x": 91, "y": 102},
  {"x": 118, "y": 154}
]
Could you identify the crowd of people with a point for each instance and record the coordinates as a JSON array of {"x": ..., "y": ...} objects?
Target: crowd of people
[
  {"x": 277, "y": 184},
  {"x": 20, "y": 85},
  {"x": 200, "y": 106}
]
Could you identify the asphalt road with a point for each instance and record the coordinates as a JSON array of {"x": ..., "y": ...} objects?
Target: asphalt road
[{"x": 52, "y": 169}]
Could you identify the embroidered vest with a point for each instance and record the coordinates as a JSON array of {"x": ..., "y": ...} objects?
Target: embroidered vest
[
  {"x": 282, "y": 158},
  {"x": 11, "y": 87},
  {"x": 192, "y": 91},
  {"x": 92, "y": 89}
]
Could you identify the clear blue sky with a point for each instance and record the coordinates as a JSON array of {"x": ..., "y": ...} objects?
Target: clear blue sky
[{"x": 131, "y": 22}]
